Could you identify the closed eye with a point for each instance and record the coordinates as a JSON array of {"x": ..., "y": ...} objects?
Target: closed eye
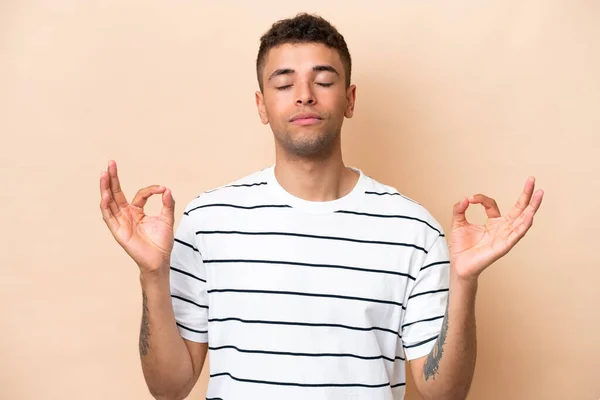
[{"x": 323, "y": 84}]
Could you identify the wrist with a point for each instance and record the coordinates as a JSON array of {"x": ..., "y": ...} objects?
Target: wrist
[
  {"x": 464, "y": 283},
  {"x": 158, "y": 276}
]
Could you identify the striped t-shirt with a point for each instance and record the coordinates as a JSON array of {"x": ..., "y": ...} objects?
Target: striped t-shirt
[{"x": 308, "y": 300}]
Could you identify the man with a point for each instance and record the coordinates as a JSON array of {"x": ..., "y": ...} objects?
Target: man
[{"x": 308, "y": 279}]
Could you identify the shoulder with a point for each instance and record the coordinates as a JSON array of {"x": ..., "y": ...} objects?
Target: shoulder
[
  {"x": 237, "y": 189},
  {"x": 389, "y": 200}
]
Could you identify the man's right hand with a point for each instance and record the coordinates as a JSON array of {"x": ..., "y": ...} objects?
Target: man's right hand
[{"x": 147, "y": 239}]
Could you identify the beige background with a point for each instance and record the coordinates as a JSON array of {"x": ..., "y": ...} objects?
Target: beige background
[{"x": 453, "y": 98}]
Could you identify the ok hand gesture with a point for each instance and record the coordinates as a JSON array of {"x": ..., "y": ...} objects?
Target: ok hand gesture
[
  {"x": 474, "y": 247},
  {"x": 147, "y": 239}
]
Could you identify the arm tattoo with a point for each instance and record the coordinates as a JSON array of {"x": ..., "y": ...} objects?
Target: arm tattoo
[
  {"x": 432, "y": 362},
  {"x": 145, "y": 328}
]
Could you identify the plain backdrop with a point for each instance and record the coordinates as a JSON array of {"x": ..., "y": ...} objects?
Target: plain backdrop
[{"x": 453, "y": 98}]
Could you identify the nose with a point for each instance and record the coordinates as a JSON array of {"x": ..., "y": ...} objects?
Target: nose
[{"x": 305, "y": 95}]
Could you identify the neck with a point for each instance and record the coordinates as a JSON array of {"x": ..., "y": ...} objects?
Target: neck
[{"x": 319, "y": 179}]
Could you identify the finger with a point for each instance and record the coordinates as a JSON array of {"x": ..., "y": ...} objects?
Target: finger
[
  {"x": 536, "y": 200},
  {"x": 523, "y": 200},
  {"x": 458, "y": 213},
  {"x": 526, "y": 217},
  {"x": 490, "y": 205},
  {"x": 105, "y": 190},
  {"x": 107, "y": 215},
  {"x": 115, "y": 185},
  {"x": 144, "y": 194},
  {"x": 524, "y": 221},
  {"x": 520, "y": 227},
  {"x": 168, "y": 209}
]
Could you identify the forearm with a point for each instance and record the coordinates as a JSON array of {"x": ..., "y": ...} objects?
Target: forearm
[
  {"x": 166, "y": 361},
  {"x": 448, "y": 369}
]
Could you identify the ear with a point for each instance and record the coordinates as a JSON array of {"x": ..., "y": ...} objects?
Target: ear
[
  {"x": 350, "y": 100},
  {"x": 260, "y": 105}
]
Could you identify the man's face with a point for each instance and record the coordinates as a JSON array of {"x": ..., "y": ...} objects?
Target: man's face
[{"x": 304, "y": 97}]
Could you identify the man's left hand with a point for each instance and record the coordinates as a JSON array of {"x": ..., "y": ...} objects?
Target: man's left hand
[{"x": 474, "y": 247}]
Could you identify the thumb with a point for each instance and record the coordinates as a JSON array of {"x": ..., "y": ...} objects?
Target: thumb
[
  {"x": 458, "y": 214},
  {"x": 168, "y": 208}
]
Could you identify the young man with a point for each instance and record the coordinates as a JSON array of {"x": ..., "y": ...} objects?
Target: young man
[{"x": 308, "y": 279}]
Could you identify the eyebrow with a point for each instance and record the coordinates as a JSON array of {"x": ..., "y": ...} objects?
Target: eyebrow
[{"x": 316, "y": 68}]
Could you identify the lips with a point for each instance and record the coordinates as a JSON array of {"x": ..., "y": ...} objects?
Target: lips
[{"x": 305, "y": 119}]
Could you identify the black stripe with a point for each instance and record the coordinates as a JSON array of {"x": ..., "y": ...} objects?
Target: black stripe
[
  {"x": 214, "y": 398},
  {"x": 237, "y": 185},
  {"x": 186, "y": 244},
  {"x": 312, "y": 236},
  {"x": 190, "y": 329},
  {"x": 391, "y": 216},
  {"x": 237, "y": 206},
  {"x": 300, "y": 384},
  {"x": 435, "y": 263},
  {"x": 309, "y": 265},
  {"x": 285, "y": 353},
  {"x": 422, "y": 320},
  {"x": 308, "y": 324},
  {"x": 189, "y": 301},
  {"x": 187, "y": 273},
  {"x": 399, "y": 384},
  {"x": 393, "y": 194},
  {"x": 248, "y": 184},
  {"x": 420, "y": 343},
  {"x": 334, "y": 296},
  {"x": 428, "y": 292},
  {"x": 383, "y": 193},
  {"x": 288, "y": 206}
]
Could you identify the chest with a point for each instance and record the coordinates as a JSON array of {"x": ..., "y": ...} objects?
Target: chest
[{"x": 347, "y": 275}]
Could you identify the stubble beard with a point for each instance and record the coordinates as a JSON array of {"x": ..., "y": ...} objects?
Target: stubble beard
[{"x": 317, "y": 147}]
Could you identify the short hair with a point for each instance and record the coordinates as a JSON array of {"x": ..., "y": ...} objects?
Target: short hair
[{"x": 303, "y": 28}]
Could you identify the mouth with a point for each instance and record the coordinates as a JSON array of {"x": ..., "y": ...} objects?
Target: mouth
[{"x": 306, "y": 119}]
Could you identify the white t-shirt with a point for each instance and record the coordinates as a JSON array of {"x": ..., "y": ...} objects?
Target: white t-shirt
[{"x": 308, "y": 300}]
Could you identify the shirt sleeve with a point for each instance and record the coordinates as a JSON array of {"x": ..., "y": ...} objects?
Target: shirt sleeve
[
  {"x": 188, "y": 283},
  {"x": 426, "y": 304}
]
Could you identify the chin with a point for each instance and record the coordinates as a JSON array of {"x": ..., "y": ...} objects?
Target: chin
[{"x": 311, "y": 144}]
